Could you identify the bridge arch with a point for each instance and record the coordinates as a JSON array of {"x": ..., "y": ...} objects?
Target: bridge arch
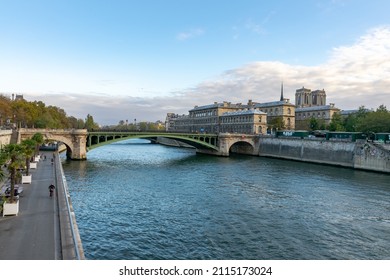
[
  {"x": 74, "y": 139},
  {"x": 64, "y": 140},
  {"x": 198, "y": 141},
  {"x": 238, "y": 143},
  {"x": 242, "y": 147}
]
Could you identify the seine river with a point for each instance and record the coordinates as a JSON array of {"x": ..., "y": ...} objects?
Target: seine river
[{"x": 135, "y": 200}]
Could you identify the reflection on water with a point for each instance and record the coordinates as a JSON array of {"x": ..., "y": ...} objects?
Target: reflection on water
[{"x": 144, "y": 201}]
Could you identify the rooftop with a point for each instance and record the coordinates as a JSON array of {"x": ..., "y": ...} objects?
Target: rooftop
[
  {"x": 217, "y": 105},
  {"x": 316, "y": 108},
  {"x": 244, "y": 112},
  {"x": 274, "y": 103}
]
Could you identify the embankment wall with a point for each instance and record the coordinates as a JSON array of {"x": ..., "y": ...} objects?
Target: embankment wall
[
  {"x": 359, "y": 155},
  {"x": 5, "y": 137}
]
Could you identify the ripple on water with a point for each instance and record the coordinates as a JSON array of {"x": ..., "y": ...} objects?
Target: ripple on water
[{"x": 137, "y": 201}]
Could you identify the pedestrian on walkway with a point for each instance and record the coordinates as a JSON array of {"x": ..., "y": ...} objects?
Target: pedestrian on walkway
[{"x": 51, "y": 189}]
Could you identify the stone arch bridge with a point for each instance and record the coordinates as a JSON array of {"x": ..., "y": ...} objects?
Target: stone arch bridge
[{"x": 79, "y": 141}]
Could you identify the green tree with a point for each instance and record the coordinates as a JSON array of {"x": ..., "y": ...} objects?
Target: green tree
[
  {"x": 13, "y": 153},
  {"x": 374, "y": 122},
  {"x": 38, "y": 139},
  {"x": 382, "y": 109},
  {"x": 28, "y": 146},
  {"x": 336, "y": 124},
  {"x": 277, "y": 123},
  {"x": 90, "y": 123},
  {"x": 313, "y": 124},
  {"x": 350, "y": 122},
  {"x": 3, "y": 160},
  {"x": 143, "y": 126},
  {"x": 5, "y": 109},
  {"x": 76, "y": 123}
]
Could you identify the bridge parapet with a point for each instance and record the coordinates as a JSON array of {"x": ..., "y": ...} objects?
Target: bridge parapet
[{"x": 74, "y": 139}]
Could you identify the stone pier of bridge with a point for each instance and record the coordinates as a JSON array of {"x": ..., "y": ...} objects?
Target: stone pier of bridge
[
  {"x": 74, "y": 139},
  {"x": 246, "y": 144}
]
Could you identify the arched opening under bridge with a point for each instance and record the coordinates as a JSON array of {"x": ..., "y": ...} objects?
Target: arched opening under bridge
[{"x": 242, "y": 147}]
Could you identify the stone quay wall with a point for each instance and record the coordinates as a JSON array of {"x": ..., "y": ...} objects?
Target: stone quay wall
[
  {"x": 359, "y": 154},
  {"x": 5, "y": 137}
]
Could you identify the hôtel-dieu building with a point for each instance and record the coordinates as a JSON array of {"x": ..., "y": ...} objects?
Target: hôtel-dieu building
[{"x": 255, "y": 117}]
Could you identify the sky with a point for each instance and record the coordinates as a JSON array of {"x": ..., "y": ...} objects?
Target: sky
[{"x": 141, "y": 59}]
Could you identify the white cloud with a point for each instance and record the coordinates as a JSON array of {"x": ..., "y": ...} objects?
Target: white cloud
[
  {"x": 353, "y": 75},
  {"x": 183, "y": 36}
]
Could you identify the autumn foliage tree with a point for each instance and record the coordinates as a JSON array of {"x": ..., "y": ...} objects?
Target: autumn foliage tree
[{"x": 36, "y": 114}]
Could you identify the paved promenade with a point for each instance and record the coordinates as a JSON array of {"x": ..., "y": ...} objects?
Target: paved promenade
[{"x": 35, "y": 233}]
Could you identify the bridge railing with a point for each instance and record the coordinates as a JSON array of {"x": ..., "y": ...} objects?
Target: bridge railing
[{"x": 49, "y": 130}]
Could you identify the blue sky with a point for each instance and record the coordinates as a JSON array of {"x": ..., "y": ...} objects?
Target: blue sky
[{"x": 141, "y": 59}]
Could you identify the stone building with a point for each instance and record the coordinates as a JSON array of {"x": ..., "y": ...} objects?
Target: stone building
[
  {"x": 312, "y": 104},
  {"x": 250, "y": 121},
  {"x": 206, "y": 119},
  {"x": 176, "y": 122},
  {"x": 279, "y": 109},
  {"x": 219, "y": 117},
  {"x": 249, "y": 118}
]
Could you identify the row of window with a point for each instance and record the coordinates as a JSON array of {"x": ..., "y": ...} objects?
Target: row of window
[
  {"x": 275, "y": 111},
  {"x": 314, "y": 114},
  {"x": 240, "y": 119},
  {"x": 248, "y": 129},
  {"x": 203, "y": 114}
]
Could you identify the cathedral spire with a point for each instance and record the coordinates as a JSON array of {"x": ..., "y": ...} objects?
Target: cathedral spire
[{"x": 281, "y": 92}]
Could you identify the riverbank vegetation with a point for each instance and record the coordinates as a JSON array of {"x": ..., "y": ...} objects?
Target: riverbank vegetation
[
  {"x": 140, "y": 126},
  {"x": 363, "y": 120},
  {"x": 17, "y": 157},
  {"x": 36, "y": 114}
]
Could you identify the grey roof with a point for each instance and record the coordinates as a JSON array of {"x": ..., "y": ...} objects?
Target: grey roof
[
  {"x": 218, "y": 105},
  {"x": 269, "y": 104},
  {"x": 207, "y": 106},
  {"x": 244, "y": 112},
  {"x": 230, "y": 105},
  {"x": 315, "y": 108},
  {"x": 348, "y": 112}
]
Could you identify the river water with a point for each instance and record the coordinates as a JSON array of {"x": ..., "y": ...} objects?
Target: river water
[{"x": 135, "y": 200}]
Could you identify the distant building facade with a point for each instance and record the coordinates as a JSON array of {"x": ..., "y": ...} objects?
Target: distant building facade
[
  {"x": 250, "y": 121},
  {"x": 208, "y": 118},
  {"x": 279, "y": 109},
  {"x": 312, "y": 104},
  {"x": 255, "y": 117},
  {"x": 219, "y": 117}
]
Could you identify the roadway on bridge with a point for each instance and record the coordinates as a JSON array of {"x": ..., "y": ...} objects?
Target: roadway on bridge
[{"x": 33, "y": 234}]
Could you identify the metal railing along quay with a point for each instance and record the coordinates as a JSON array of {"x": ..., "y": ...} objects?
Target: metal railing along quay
[{"x": 71, "y": 245}]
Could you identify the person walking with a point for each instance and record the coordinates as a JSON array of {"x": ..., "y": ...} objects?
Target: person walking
[{"x": 51, "y": 189}]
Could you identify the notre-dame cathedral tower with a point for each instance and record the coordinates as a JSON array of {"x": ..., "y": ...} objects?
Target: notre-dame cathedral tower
[{"x": 304, "y": 97}]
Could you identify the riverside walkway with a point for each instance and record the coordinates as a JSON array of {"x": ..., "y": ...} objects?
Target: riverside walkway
[{"x": 42, "y": 230}]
